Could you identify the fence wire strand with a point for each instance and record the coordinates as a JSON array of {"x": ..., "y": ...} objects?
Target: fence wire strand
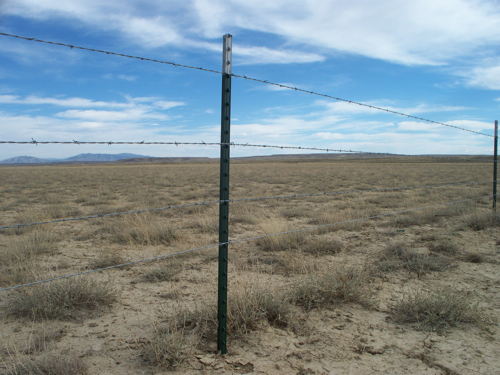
[
  {"x": 109, "y": 143},
  {"x": 243, "y": 240},
  {"x": 18, "y": 226},
  {"x": 247, "y": 78}
]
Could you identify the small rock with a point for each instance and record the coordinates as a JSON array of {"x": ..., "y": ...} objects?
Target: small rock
[
  {"x": 375, "y": 350},
  {"x": 207, "y": 361},
  {"x": 93, "y": 324}
]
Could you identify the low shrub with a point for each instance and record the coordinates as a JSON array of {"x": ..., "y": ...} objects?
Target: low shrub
[
  {"x": 438, "y": 310},
  {"x": 107, "y": 259},
  {"x": 346, "y": 284},
  {"x": 62, "y": 299},
  {"x": 480, "y": 221},
  {"x": 323, "y": 246},
  {"x": 50, "y": 364}
]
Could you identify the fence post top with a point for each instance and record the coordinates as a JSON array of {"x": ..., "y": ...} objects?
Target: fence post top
[{"x": 227, "y": 53}]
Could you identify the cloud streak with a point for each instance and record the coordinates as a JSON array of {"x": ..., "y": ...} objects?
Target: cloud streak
[{"x": 427, "y": 32}]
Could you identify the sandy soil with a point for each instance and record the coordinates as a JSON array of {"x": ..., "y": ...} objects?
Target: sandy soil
[{"x": 337, "y": 338}]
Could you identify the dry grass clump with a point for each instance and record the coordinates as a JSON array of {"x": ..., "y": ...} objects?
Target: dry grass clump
[
  {"x": 481, "y": 220},
  {"x": 163, "y": 272},
  {"x": 438, "y": 310},
  {"x": 107, "y": 259},
  {"x": 322, "y": 246},
  {"x": 328, "y": 217},
  {"x": 65, "y": 299},
  {"x": 142, "y": 229},
  {"x": 42, "y": 340},
  {"x": 18, "y": 262},
  {"x": 49, "y": 364},
  {"x": 280, "y": 242},
  {"x": 347, "y": 284},
  {"x": 286, "y": 264},
  {"x": 29, "y": 246},
  {"x": 168, "y": 347},
  {"x": 398, "y": 256},
  {"x": 444, "y": 246},
  {"x": 208, "y": 224},
  {"x": 175, "y": 340},
  {"x": 249, "y": 304},
  {"x": 473, "y": 257}
]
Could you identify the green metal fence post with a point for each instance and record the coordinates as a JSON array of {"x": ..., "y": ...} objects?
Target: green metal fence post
[
  {"x": 224, "y": 194},
  {"x": 495, "y": 168}
]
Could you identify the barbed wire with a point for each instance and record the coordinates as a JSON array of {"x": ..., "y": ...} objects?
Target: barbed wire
[
  {"x": 202, "y": 143},
  {"x": 243, "y": 240},
  {"x": 112, "y": 53},
  {"x": 18, "y": 226},
  {"x": 109, "y": 143},
  {"x": 248, "y": 78},
  {"x": 360, "y": 104}
]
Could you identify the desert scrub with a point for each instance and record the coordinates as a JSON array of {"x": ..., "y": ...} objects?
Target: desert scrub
[
  {"x": 49, "y": 364},
  {"x": 279, "y": 242},
  {"x": 249, "y": 304},
  {"x": 107, "y": 259},
  {"x": 165, "y": 271},
  {"x": 346, "y": 284},
  {"x": 479, "y": 221},
  {"x": 26, "y": 247},
  {"x": 175, "y": 340},
  {"x": 18, "y": 261},
  {"x": 473, "y": 257},
  {"x": 438, "y": 310},
  {"x": 397, "y": 255},
  {"x": 329, "y": 218},
  {"x": 444, "y": 246},
  {"x": 65, "y": 299},
  {"x": 322, "y": 246},
  {"x": 168, "y": 347},
  {"x": 142, "y": 229}
]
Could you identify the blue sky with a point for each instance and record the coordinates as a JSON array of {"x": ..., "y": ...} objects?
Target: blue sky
[{"x": 437, "y": 59}]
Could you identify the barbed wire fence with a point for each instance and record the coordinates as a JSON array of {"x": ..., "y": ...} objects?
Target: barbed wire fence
[{"x": 224, "y": 202}]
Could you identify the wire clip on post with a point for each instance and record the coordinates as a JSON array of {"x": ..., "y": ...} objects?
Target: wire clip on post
[{"x": 224, "y": 194}]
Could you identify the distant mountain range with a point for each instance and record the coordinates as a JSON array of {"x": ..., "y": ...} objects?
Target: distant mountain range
[{"x": 77, "y": 158}]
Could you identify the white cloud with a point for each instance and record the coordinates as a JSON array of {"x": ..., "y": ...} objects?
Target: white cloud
[
  {"x": 113, "y": 116},
  {"x": 143, "y": 103},
  {"x": 264, "y": 55},
  {"x": 62, "y": 102},
  {"x": 126, "y": 77},
  {"x": 429, "y": 32},
  {"x": 486, "y": 77}
]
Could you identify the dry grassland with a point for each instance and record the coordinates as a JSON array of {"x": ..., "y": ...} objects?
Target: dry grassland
[{"x": 413, "y": 293}]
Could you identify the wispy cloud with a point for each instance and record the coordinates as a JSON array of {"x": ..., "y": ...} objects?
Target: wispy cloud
[
  {"x": 486, "y": 77},
  {"x": 390, "y": 30},
  {"x": 131, "y": 103}
]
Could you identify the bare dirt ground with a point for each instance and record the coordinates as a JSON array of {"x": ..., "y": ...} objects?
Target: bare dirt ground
[{"x": 413, "y": 293}]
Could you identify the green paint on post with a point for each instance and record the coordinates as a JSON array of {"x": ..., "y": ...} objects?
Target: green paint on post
[{"x": 224, "y": 195}]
